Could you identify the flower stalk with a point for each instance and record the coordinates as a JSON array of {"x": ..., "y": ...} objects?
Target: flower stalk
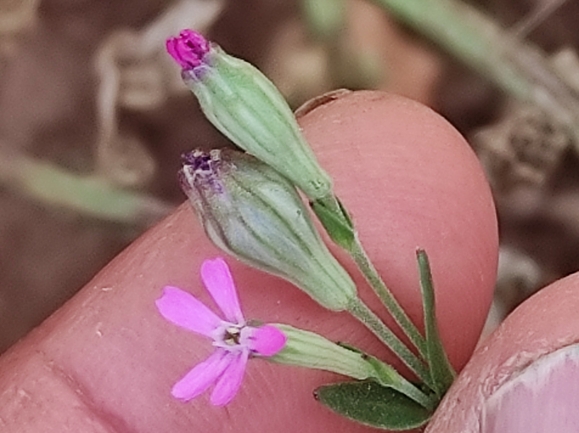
[
  {"x": 394, "y": 308},
  {"x": 340, "y": 227},
  {"x": 365, "y": 315}
]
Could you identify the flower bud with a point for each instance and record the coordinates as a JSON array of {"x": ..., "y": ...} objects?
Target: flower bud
[
  {"x": 246, "y": 107},
  {"x": 310, "y": 350},
  {"x": 255, "y": 214}
]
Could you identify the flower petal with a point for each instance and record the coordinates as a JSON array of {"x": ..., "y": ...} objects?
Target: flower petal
[
  {"x": 201, "y": 376},
  {"x": 188, "y": 49},
  {"x": 266, "y": 340},
  {"x": 230, "y": 381},
  {"x": 219, "y": 282},
  {"x": 183, "y": 309}
]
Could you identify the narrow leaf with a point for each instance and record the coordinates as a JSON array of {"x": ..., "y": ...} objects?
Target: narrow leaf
[
  {"x": 441, "y": 371},
  {"x": 374, "y": 405}
]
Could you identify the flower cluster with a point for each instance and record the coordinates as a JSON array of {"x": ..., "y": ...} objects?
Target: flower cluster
[{"x": 250, "y": 206}]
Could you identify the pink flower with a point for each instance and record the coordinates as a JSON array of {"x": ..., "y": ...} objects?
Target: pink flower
[
  {"x": 233, "y": 339},
  {"x": 188, "y": 49}
]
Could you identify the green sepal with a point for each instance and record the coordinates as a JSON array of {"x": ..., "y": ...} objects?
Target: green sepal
[
  {"x": 374, "y": 405},
  {"x": 336, "y": 221},
  {"x": 247, "y": 108},
  {"x": 440, "y": 369},
  {"x": 310, "y": 350}
]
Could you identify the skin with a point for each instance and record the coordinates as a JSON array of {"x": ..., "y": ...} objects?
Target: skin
[
  {"x": 543, "y": 324},
  {"x": 106, "y": 361}
]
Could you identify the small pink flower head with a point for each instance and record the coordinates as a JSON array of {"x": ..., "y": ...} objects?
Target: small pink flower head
[
  {"x": 233, "y": 339},
  {"x": 188, "y": 49}
]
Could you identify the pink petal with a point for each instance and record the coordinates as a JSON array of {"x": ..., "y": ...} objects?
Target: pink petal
[
  {"x": 267, "y": 340},
  {"x": 230, "y": 381},
  {"x": 183, "y": 309},
  {"x": 188, "y": 49},
  {"x": 219, "y": 282},
  {"x": 201, "y": 376}
]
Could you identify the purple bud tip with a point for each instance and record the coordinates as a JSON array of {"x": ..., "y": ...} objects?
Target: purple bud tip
[
  {"x": 200, "y": 169},
  {"x": 198, "y": 160},
  {"x": 188, "y": 49}
]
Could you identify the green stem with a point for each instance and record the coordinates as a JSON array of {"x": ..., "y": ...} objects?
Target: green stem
[
  {"x": 387, "y": 376},
  {"x": 361, "y": 311},
  {"x": 410, "y": 390},
  {"x": 342, "y": 231},
  {"x": 516, "y": 66},
  {"x": 373, "y": 277}
]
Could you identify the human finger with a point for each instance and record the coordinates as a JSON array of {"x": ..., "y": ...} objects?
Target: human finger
[
  {"x": 524, "y": 377},
  {"x": 107, "y": 360}
]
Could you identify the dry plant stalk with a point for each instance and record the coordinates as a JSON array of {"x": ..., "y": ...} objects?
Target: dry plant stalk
[{"x": 134, "y": 74}]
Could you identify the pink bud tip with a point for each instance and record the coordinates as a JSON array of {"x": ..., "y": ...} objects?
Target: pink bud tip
[
  {"x": 188, "y": 49},
  {"x": 267, "y": 340}
]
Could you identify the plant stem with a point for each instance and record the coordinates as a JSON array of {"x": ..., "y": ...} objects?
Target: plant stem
[
  {"x": 410, "y": 390},
  {"x": 363, "y": 261},
  {"x": 387, "y": 376},
  {"x": 351, "y": 243},
  {"x": 361, "y": 311},
  {"x": 516, "y": 66}
]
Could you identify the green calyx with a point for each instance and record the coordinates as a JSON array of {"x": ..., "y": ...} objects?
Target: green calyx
[
  {"x": 252, "y": 212},
  {"x": 247, "y": 108}
]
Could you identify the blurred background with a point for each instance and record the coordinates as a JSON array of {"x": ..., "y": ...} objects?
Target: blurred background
[{"x": 93, "y": 118}]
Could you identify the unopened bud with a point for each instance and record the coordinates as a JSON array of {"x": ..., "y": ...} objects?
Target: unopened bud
[
  {"x": 252, "y": 212},
  {"x": 310, "y": 350},
  {"x": 246, "y": 107}
]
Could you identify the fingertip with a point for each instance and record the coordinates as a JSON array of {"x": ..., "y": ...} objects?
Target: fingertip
[
  {"x": 528, "y": 352},
  {"x": 410, "y": 181}
]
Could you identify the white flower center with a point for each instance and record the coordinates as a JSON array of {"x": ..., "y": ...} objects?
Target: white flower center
[{"x": 232, "y": 337}]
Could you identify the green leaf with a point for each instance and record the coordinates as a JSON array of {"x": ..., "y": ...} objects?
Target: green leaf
[
  {"x": 441, "y": 371},
  {"x": 374, "y": 405},
  {"x": 335, "y": 220},
  {"x": 388, "y": 377}
]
